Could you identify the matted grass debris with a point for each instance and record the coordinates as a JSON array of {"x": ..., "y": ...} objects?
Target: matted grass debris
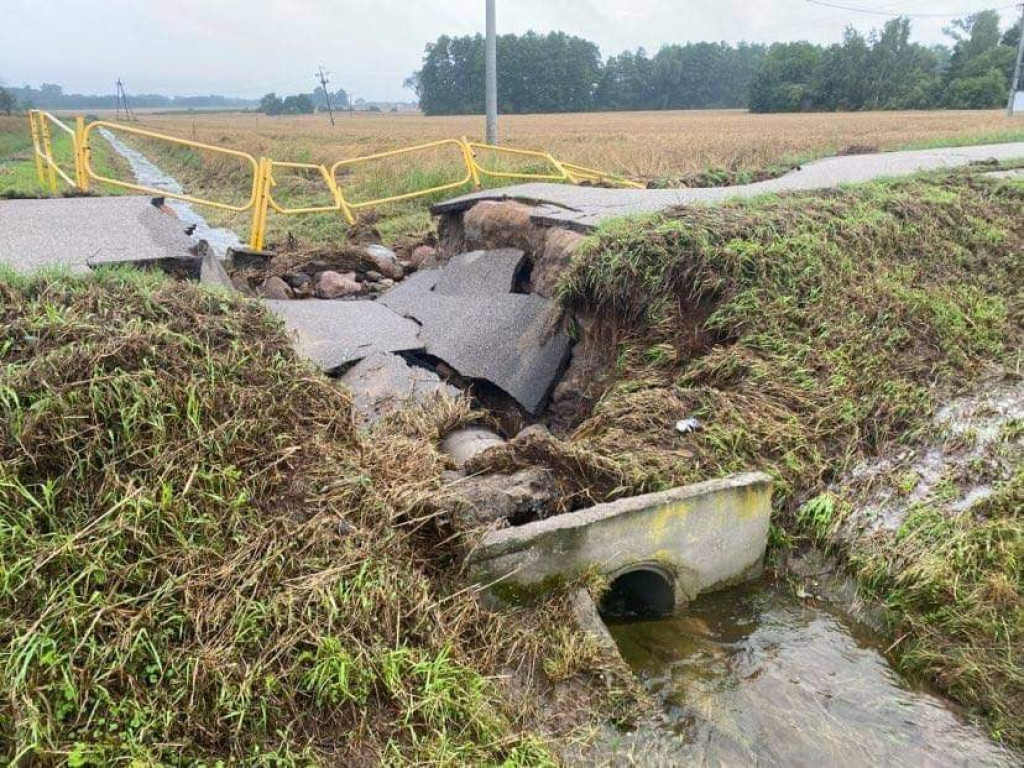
[
  {"x": 201, "y": 562},
  {"x": 840, "y": 321}
]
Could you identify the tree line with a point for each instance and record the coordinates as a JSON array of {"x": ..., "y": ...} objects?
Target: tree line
[
  {"x": 882, "y": 69},
  {"x": 52, "y": 96},
  {"x": 302, "y": 103}
]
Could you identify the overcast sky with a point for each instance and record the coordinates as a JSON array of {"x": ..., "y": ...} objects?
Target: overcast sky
[{"x": 248, "y": 47}]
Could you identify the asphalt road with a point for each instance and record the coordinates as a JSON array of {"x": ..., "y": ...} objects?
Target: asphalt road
[{"x": 586, "y": 207}]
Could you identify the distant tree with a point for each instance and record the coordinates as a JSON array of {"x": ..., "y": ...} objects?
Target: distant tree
[
  {"x": 982, "y": 62},
  {"x": 300, "y": 104},
  {"x": 536, "y": 73},
  {"x": 271, "y": 104},
  {"x": 7, "y": 101},
  {"x": 786, "y": 80}
]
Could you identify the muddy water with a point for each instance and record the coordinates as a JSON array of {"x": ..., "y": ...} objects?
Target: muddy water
[
  {"x": 758, "y": 676},
  {"x": 147, "y": 174}
]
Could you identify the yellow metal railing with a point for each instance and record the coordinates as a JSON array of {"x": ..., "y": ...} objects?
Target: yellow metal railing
[{"x": 261, "y": 199}]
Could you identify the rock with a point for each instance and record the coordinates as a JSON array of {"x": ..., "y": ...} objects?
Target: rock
[
  {"x": 383, "y": 383},
  {"x": 246, "y": 258},
  {"x": 462, "y": 445},
  {"x": 492, "y": 225},
  {"x": 373, "y": 276},
  {"x": 241, "y": 285},
  {"x": 528, "y": 495},
  {"x": 297, "y": 280},
  {"x": 276, "y": 288},
  {"x": 559, "y": 246},
  {"x": 386, "y": 283},
  {"x": 423, "y": 256},
  {"x": 212, "y": 270},
  {"x": 334, "y": 285},
  {"x": 385, "y": 261}
]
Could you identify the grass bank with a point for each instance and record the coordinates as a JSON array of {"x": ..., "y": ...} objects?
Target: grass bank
[
  {"x": 807, "y": 334},
  {"x": 17, "y": 162},
  {"x": 201, "y": 562}
]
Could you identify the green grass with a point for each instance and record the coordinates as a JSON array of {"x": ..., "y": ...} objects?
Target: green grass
[
  {"x": 18, "y": 169},
  {"x": 808, "y": 333},
  {"x": 202, "y": 563}
]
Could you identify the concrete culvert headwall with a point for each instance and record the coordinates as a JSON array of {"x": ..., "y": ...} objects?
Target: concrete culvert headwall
[{"x": 676, "y": 543}]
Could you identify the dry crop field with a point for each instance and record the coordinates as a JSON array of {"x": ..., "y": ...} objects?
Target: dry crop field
[
  {"x": 647, "y": 145},
  {"x": 665, "y": 148}
]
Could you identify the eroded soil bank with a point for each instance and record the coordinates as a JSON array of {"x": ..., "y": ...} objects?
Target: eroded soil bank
[{"x": 811, "y": 335}]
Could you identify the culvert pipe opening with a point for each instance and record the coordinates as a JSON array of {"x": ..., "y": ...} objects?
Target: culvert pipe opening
[{"x": 641, "y": 593}]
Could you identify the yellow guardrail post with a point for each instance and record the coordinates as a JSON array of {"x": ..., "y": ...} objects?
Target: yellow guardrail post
[
  {"x": 48, "y": 152},
  {"x": 467, "y": 153},
  {"x": 33, "y": 123},
  {"x": 81, "y": 152},
  {"x": 261, "y": 196}
]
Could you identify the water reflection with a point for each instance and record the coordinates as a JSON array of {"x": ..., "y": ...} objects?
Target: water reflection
[{"x": 755, "y": 676}]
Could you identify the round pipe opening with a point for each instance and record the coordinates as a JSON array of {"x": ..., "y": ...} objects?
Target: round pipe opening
[{"x": 639, "y": 594}]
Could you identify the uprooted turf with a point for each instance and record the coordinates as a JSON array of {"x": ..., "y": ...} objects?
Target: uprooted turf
[{"x": 200, "y": 561}]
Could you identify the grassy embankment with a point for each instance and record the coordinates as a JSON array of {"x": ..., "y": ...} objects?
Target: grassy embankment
[
  {"x": 200, "y": 560},
  {"x": 17, "y": 166},
  {"x": 285, "y": 591},
  {"x": 807, "y": 334}
]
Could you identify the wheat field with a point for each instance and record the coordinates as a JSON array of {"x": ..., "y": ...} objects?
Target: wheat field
[{"x": 642, "y": 145}]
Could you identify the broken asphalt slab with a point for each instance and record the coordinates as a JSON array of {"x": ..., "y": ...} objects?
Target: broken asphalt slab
[
  {"x": 382, "y": 383},
  {"x": 481, "y": 273},
  {"x": 78, "y": 233},
  {"x": 516, "y": 342},
  {"x": 333, "y": 334},
  {"x": 584, "y": 208}
]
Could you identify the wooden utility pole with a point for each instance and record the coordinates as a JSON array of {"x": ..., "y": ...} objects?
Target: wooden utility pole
[
  {"x": 491, "y": 56},
  {"x": 1018, "y": 70},
  {"x": 122, "y": 99},
  {"x": 323, "y": 84}
]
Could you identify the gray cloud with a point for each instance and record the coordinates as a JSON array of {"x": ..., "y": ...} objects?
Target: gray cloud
[{"x": 248, "y": 47}]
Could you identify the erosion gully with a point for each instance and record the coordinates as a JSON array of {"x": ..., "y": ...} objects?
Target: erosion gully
[
  {"x": 760, "y": 674},
  {"x": 147, "y": 174}
]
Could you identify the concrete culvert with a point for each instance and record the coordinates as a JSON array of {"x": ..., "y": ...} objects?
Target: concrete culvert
[{"x": 640, "y": 593}]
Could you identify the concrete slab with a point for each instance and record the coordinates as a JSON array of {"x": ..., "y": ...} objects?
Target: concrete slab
[
  {"x": 514, "y": 341},
  {"x": 79, "y": 232},
  {"x": 699, "y": 537},
  {"x": 383, "y": 382},
  {"x": 332, "y": 334},
  {"x": 584, "y": 208},
  {"x": 481, "y": 273}
]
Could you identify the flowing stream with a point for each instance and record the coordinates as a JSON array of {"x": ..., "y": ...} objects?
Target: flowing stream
[
  {"x": 147, "y": 174},
  {"x": 759, "y": 676}
]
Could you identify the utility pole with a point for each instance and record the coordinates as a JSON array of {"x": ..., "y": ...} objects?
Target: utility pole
[
  {"x": 323, "y": 84},
  {"x": 491, "y": 56},
  {"x": 1018, "y": 70},
  {"x": 122, "y": 98}
]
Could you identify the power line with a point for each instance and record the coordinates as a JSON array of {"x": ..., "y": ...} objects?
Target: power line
[
  {"x": 871, "y": 12},
  {"x": 323, "y": 84}
]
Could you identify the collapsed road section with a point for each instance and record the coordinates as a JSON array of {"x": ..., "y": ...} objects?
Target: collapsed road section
[{"x": 465, "y": 314}]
